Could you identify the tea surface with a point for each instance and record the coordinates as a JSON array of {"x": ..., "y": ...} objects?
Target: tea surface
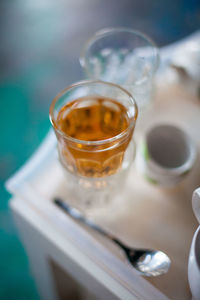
[{"x": 93, "y": 119}]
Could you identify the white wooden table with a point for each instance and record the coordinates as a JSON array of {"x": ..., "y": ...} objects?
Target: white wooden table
[{"x": 63, "y": 254}]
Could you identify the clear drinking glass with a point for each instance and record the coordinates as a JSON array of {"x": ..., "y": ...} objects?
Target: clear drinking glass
[
  {"x": 94, "y": 123},
  {"x": 123, "y": 56}
]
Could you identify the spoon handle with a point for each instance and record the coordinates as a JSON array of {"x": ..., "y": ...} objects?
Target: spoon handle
[
  {"x": 136, "y": 257},
  {"x": 76, "y": 214}
]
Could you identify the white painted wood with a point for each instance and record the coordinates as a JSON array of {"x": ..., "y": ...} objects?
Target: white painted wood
[{"x": 42, "y": 241}]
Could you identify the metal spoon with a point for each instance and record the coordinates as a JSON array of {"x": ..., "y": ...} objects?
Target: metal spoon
[{"x": 147, "y": 262}]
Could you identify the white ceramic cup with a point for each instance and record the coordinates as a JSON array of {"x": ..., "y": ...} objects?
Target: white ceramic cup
[
  {"x": 194, "y": 256},
  {"x": 196, "y": 203},
  {"x": 194, "y": 266},
  {"x": 166, "y": 154}
]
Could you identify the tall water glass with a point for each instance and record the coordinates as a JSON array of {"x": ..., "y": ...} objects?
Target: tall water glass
[{"x": 123, "y": 56}]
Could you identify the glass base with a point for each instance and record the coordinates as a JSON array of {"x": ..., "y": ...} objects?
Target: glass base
[{"x": 88, "y": 194}]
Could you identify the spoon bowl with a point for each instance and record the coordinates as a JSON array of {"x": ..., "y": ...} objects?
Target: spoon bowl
[
  {"x": 146, "y": 261},
  {"x": 149, "y": 262}
]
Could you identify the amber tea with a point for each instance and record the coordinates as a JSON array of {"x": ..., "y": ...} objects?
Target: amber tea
[{"x": 92, "y": 123}]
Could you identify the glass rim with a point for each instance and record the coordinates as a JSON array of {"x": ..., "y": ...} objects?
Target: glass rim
[
  {"x": 98, "y": 142},
  {"x": 110, "y": 30}
]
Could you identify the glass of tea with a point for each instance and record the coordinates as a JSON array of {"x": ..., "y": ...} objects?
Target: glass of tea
[
  {"x": 124, "y": 56},
  {"x": 94, "y": 123}
]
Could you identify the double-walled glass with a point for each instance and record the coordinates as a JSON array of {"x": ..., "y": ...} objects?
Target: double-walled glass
[{"x": 99, "y": 158}]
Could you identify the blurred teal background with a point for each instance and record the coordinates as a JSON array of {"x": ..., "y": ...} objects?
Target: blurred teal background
[{"x": 40, "y": 42}]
